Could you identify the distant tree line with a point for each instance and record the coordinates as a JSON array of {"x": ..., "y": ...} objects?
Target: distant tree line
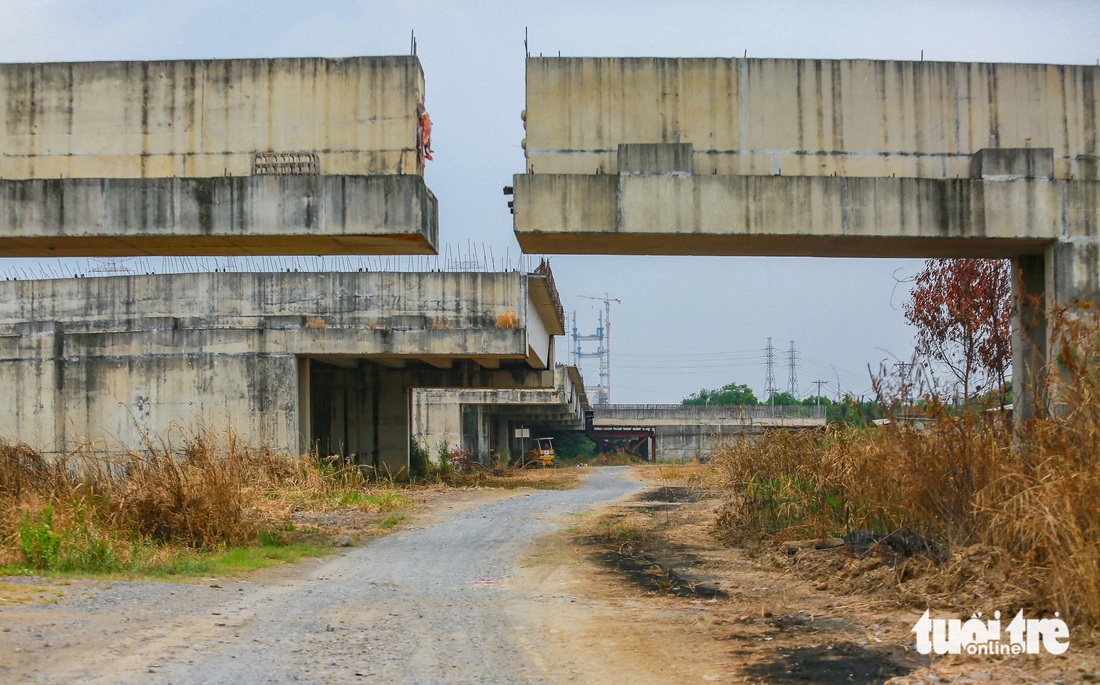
[
  {"x": 735, "y": 394},
  {"x": 854, "y": 410}
]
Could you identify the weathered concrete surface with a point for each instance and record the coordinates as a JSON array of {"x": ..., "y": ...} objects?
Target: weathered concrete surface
[
  {"x": 685, "y": 433},
  {"x": 262, "y": 215},
  {"x": 800, "y": 117},
  {"x": 797, "y": 216},
  {"x": 289, "y": 360},
  {"x": 848, "y": 158},
  {"x": 484, "y": 421},
  {"x": 206, "y": 118},
  {"x": 214, "y": 157}
]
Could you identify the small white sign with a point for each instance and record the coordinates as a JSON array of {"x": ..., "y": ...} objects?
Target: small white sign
[{"x": 523, "y": 432}]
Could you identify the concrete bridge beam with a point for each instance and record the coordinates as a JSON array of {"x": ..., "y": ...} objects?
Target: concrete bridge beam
[
  {"x": 214, "y": 157},
  {"x": 831, "y": 158}
]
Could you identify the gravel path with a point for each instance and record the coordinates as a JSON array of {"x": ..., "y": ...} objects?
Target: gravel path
[{"x": 427, "y": 605}]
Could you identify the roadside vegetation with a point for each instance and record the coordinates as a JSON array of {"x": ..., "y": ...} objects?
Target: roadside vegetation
[
  {"x": 199, "y": 503},
  {"x": 207, "y": 504},
  {"x": 957, "y": 504}
]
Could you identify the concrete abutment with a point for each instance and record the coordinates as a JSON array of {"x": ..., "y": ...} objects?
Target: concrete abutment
[{"x": 296, "y": 362}]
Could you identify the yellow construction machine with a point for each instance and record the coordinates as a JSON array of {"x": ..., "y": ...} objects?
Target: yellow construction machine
[{"x": 540, "y": 457}]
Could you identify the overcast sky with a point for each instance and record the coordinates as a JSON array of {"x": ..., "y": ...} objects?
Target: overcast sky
[{"x": 684, "y": 323}]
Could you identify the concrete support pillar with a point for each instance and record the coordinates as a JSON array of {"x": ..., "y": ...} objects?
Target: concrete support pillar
[
  {"x": 1066, "y": 278},
  {"x": 392, "y": 414},
  {"x": 504, "y": 450},
  {"x": 1029, "y": 335},
  {"x": 470, "y": 430},
  {"x": 305, "y": 428},
  {"x": 483, "y": 436},
  {"x": 1073, "y": 287}
]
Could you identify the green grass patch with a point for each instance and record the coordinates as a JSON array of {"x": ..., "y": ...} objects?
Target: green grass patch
[
  {"x": 240, "y": 561},
  {"x": 391, "y": 521},
  {"x": 186, "y": 563}
]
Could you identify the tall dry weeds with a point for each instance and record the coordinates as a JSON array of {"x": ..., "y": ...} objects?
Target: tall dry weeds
[
  {"x": 60, "y": 511},
  {"x": 1031, "y": 496}
]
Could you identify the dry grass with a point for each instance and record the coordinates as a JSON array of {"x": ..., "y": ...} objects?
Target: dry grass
[
  {"x": 962, "y": 481},
  {"x": 194, "y": 492},
  {"x": 690, "y": 473},
  {"x": 509, "y": 320},
  {"x": 513, "y": 479},
  {"x": 91, "y": 511}
]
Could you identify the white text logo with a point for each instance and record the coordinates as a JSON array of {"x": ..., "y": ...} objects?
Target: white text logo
[{"x": 975, "y": 636}]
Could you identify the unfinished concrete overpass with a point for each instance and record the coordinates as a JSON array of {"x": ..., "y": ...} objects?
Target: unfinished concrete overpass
[
  {"x": 215, "y": 157},
  {"x": 681, "y": 433},
  {"x": 834, "y": 158},
  {"x": 485, "y": 421},
  {"x": 294, "y": 361}
]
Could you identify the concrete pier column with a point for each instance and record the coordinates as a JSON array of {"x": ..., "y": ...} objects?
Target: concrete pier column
[
  {"x": 1073, "y": 286},
  {"x": 504, "y": 440},
  {"x": 1029, "y": 335},
  {"x": 1064, "y": 279},
  {"x": 305, "y": 429},
  {"x": 392, "y": 414}
]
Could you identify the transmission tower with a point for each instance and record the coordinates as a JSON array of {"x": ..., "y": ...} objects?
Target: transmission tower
[
  {"x": 574, "y": 348},
  {"x": 603, "y": 351},
  {"x": 578, "y": 354},
  {"x": 770, "y": 389},
  {"x": 792, "y": 372}
]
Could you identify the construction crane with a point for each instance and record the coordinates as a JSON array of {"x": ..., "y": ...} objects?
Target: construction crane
[{"x": 603, "y": 392}]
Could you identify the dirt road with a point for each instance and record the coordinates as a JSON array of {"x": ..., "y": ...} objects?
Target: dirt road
[{"x": 430, "y": 604}]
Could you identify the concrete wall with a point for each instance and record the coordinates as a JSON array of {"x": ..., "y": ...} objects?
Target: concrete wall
[
  {"x": 848, "y": 158},
  {"x": 692, "y": 442},
  {"x": 798, "y": 117},
  {"x": 105, "y": 360},
  {"x": 718, "y": 415},
  {"x": 206, "y": 118}
]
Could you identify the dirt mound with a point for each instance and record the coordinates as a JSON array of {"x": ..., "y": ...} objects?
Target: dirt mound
[{"x": 968, "y": 579}]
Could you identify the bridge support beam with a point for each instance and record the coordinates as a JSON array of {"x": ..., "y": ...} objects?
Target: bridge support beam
[{"x": 827, "y": 158}]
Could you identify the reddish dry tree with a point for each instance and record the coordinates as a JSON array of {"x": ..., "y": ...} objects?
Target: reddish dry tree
[{"x": 962, "y": 310}]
